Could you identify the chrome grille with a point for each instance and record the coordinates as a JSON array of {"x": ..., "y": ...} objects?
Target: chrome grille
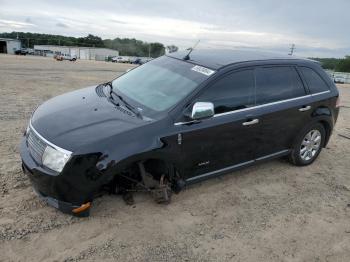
[{"x": 36, "y": 145}]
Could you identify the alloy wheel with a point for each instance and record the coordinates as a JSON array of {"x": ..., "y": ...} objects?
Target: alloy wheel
[{"x": 310, "y": 145}]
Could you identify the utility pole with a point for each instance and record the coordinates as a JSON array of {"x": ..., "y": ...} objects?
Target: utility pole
[
  {"x": 149, "y": 50},
  {"x": 292, "y": 48}
]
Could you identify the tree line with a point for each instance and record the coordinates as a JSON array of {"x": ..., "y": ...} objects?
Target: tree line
[
  {"x": 336, "y": 64},
  {"x": 133, "y": 47},
  {"x": 125, "y": 46}
]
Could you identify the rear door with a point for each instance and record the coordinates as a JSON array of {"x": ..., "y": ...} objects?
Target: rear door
[
  {"x": 223, "y": 140},
  {"x": 284, "y": 109}
]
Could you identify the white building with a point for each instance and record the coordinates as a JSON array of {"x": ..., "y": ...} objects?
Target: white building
[
  {"x": 9, "y": 46},
  {"x": 89, "y": 53}
]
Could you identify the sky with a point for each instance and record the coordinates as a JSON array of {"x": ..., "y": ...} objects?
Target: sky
[{"x": 317, "y": 28}]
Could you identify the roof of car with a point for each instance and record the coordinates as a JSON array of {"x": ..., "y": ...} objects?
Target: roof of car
[{"x": 217, "y": 58}]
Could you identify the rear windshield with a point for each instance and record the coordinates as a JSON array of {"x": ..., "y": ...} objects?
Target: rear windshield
[{"x": 160, "y": 83}]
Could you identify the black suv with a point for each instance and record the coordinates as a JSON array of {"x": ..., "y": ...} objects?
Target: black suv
[{"x": 177, "y": 120}]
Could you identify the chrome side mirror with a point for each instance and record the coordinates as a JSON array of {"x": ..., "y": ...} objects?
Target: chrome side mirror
[{"x": 202, "y": 110}]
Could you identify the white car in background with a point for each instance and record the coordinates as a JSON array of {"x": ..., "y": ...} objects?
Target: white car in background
[
  {"x": 62, "y": 57},
  {"x": 120, "y": 59},
  {"x": 339, "y": 79}
]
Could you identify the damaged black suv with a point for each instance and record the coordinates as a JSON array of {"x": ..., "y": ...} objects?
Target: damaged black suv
[{"x": 177, "y": 120}]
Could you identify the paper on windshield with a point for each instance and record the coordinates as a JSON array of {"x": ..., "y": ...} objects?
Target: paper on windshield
[{"x": 203, "y": 70}]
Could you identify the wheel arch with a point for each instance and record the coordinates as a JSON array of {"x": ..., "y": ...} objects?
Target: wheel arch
[
  {"x": 328, "y": 130},
  {"x": 156, "y": 162},
  {"x": 130, "y": 172},
  {"x": 323, "y": 115},
  {"x": 153, "y": 164}
]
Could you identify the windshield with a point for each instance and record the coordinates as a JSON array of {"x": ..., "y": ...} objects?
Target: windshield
[{"x": 160, "y": 83}]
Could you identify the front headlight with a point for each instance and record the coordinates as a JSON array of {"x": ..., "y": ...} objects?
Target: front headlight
[{"x": 54, "y": 158}]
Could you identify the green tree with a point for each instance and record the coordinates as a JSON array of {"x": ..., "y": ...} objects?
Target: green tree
[
  {"x": 91, "y": 40},
  {"x": 328, "y": 63},
  {"x": 126, "y": 46},
  {"x": 172, "y": 48},
  {"x": 133, "y": 47},
  {"x": 344, "y": 65},
  {"x": 157, "y": 49},
  {"x": 31, "y": 39}
]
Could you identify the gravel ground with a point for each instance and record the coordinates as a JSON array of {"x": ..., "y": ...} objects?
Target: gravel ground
[{"x": 270, "y": 212}]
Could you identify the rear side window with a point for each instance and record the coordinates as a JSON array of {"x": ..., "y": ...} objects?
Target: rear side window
[
  {"x": 277, "y": 83},
  {"x": 232, "y": 92},
  {"x": 315, "y": 83}
]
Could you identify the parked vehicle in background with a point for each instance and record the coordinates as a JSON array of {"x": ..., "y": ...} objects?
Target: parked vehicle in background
[
  {"x": 30, "y": 51},
  {"x": 136, "y": 61},
  {"x": 177, "y": 120},
  {"x": 22, "y": 51},
  {"x": 120, "y": 59},
  {"x": 62, "y": 57},
  {"x": 339, "y": 79},
  {"x": 146, "y": 59}
]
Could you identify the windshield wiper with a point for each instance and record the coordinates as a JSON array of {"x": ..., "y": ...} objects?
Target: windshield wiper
[{"x": 127, "y": 105}]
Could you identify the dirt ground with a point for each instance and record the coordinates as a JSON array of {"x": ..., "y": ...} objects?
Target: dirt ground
[{"x": 270, "y": 212}]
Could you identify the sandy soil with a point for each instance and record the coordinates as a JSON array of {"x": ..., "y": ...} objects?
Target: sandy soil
[{"x": 270, "y": 212}]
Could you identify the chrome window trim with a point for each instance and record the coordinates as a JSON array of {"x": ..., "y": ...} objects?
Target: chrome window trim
[
  {"x": 48, "y": 142},
  {"x": 321, "y": 93},
  {"x": 259, "y": 106}
]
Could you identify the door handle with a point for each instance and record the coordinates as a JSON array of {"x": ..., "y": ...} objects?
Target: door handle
[
  {"x": 251, "y": 122},
  {"x": 304, "y": 108}
]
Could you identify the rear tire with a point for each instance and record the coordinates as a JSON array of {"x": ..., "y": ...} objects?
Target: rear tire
[{"x": 308, "y": 145}]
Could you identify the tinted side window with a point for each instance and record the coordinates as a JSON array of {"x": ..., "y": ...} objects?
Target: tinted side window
[
  {"x": 315, "y": 83},
  {"x": 277, "y": 83},
  {"x": 232, "y": 92}
]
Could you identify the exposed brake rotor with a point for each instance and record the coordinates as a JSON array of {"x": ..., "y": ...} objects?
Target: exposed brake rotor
[
  {"x": 162, "y": 194},
  {"x": 160, "y": 190}
]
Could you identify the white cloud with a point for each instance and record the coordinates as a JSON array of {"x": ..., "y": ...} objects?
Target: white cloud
[
  {"x": 14, "y": 24},
  {"x": 270, "y": 24}
]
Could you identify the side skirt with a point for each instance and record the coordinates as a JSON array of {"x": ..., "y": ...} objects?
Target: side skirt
[{"x": 229, "y": 169}]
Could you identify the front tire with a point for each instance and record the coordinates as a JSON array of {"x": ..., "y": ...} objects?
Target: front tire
[{"x": 308, "y": 145}]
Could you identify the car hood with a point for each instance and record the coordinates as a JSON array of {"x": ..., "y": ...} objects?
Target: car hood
[{"x": 81, "y": 117}]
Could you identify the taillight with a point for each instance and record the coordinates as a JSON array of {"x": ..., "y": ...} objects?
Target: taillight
[{"x": 337, "y": 104}]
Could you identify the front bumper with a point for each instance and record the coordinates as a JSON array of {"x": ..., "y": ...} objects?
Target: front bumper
[
  {"x": 63, "y": 206},
  {"x": 54, "y": 189}
]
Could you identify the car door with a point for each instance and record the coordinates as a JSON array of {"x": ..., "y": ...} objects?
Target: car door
[
  {"x": 323, "y": 102},
  {"x": 227, "y": 138},
  {"x": 284, "y": 109}
]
